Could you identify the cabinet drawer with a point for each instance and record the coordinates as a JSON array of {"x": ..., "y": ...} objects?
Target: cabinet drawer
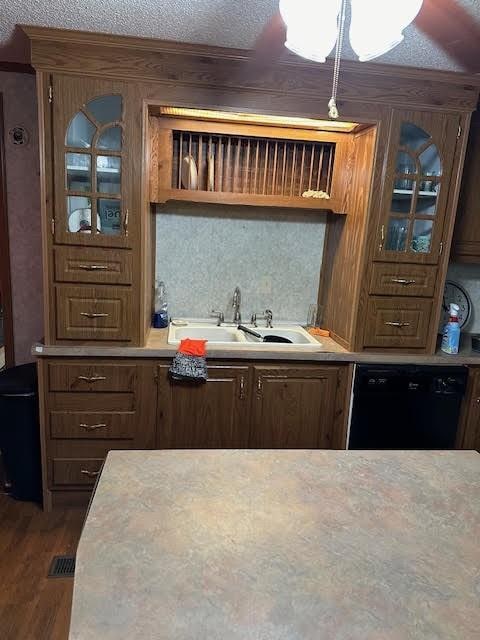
[
  {"x": 93, "y": 313},
  {"x": 76, "y": 471},
  {"x": 99, "y": 266},
  {"x": 397, "y": 323},
  {"x": 88, "y": 425},
  {"x": 91, "y": 377},
  {"x": 403, "y": 280}
]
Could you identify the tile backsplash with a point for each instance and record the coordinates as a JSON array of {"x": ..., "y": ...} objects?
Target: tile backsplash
[
  {"x": 204, "y": 251},
  {"x": 468, "y": 277}
]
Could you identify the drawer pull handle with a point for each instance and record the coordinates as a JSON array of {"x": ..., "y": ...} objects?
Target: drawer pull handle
[
  {"x": 90, "y": 474},
  {"x": 397, "y": 324},
  {"x": 403, "y": 281},
  {"x": 92, "y": 427},
  {"x": 94, "y": 267},
  {"x": 90, "y": 315},
  {"x": 242, "y": 388},
  {"x": 91, "y": 378}
]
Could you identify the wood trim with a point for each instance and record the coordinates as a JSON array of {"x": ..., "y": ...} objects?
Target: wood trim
[
  {"x": 448, "y": 227},
  {"x": 179, "y": 64},
  {"x": 5, "y": 275},
  {"x": 44, "y": 435}
]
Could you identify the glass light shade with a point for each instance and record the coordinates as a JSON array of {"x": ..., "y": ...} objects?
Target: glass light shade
[
  {"x": 311, "y": 26},
  {"x": 377, "y": 25}
]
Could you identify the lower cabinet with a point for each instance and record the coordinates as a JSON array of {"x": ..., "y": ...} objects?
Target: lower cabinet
[
  {"x": 90, "y": 406},
  {"x": 299, "y": 407},
  {"x": 212, "y": 415},
  {"x": 258, "y": 406},
  {"x": 469, "y": 431}
]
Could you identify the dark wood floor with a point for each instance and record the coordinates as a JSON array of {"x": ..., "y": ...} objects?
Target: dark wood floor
[{"x": 32, "y": 606}]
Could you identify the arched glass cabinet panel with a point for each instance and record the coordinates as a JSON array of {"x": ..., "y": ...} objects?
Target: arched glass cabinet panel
[
  {"x": 421, "y": 153},
  {"x": 93, "y": 167}
]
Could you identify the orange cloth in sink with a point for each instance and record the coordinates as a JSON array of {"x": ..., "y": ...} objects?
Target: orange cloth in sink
[{"x": 191, "y": 347}]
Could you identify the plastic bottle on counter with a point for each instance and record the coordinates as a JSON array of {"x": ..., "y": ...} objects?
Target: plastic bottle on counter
[
  {"x": 451, "y": 331},
  {"x": 160, "y": 317}
]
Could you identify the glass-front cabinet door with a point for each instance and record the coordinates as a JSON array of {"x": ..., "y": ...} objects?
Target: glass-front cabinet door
[
  {"x": 91, "y": 160},
  {"x": 419, "y": 168}
]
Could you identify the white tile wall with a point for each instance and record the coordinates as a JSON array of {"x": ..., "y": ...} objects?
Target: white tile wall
[{"x": 203, "y": 252}]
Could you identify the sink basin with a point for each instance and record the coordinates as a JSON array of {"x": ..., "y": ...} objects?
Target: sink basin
[
  {"x": 296, "y": 334},
  {"x": 230, "y": 335},
  {"x": 199, "y": 331}
]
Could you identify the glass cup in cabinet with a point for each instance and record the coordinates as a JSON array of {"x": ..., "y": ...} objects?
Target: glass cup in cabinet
[
  {"x": 397, "y": 234},
  {"x": 422, "y": 236},
  {"x": 109, "y": 212}
]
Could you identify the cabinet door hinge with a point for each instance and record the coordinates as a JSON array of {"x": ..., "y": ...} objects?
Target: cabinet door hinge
[
  {"x": 50, "y": 94},
  {"x": 52, "y": 226},
  {"x": 459, "y": 132}
]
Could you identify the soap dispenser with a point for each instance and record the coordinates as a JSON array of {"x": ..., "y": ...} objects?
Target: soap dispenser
[
  {"x": 451, "y": 331},
  {"x": 160, "y": 317}
]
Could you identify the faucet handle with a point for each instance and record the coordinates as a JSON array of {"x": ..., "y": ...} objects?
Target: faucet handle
[
  {"x": 269, "y": 318},
  {"x": 219, "y": 315},
  {"x": 253, "y": 319}
]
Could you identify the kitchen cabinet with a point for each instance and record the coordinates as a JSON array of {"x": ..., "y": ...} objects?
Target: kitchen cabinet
[
  {"x": 469, "y": 431},
  {"x": 466, "y": 239},
  {"x": 87, "y": 408},
  {"x": 92, "y": 162},
  {"x": 416, "y": 187},
  {"x": 91, "y": 213},
  {"x": 209, "y": 415},
  {"x": 298, "y": 407}
]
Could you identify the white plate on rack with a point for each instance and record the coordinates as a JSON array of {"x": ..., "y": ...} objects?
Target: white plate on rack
[
  {"x": 189, "y": 173},
  {"x": 80, "y": 221}
]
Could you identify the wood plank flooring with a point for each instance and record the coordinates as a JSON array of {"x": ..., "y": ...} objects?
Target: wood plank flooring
[{"x": 32, "y": 606}]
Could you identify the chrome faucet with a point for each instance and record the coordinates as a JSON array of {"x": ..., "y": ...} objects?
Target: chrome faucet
[
  {"x": 237, "y": 298},
  {"x": 219, "y": 316},
  {"x": 268, "y": 316}
]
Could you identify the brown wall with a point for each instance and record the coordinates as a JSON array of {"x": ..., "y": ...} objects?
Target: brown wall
[{"x": 23, "y": 201}]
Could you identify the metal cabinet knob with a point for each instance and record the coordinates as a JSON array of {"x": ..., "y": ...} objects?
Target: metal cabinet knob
[
  {"x": 88, "y": 314},
  {"x": 92, "y": 427},
  {"x": 91, "y": 378},
  {"x": 403, "y": 281},
  {"x": 94, "y": 267},
  {"x": 397, "y": 324},
  {"x": 90, "y": 474}
]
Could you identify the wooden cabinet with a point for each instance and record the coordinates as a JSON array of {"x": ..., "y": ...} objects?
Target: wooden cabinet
[
  {"x": 466, "y": 239},
  {"x": 299, "y": 407},
  {"x": 87, "y": 408},
  {"x": 395, "y": 323},
  {"x": 416, "y": 187},
  {"x": 213, "y": 415},
  {"x": 257, "y": 406},
  {"x": 469, "y": 431},
  {"x": 92, "y": 223}
]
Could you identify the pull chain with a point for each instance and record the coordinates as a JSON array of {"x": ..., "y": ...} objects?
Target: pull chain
[{"x": 332, "y": 104}]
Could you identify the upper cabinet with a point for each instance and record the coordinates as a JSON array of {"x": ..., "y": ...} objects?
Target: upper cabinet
[
  {"x": 91, "y": 162},
  {"x": 466, "y": 239},
  {"x": 417, "y": 180}
]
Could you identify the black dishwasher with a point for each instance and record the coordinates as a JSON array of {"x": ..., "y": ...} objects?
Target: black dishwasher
[{"x": 406, "y": 406}]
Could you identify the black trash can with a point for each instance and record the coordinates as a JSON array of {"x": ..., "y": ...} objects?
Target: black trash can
[{"x": 20, "y": 431}]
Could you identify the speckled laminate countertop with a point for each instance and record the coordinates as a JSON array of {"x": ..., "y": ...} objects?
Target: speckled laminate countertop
[
  {"x": 327, "y": 351},
  {"x": 281, "y": 545}
]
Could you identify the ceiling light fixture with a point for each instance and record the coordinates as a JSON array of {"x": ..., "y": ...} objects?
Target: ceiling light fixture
[{"x": 376, "y": 26}]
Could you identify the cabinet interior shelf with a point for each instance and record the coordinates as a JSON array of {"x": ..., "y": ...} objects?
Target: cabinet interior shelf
[
  {"x": 403, "y": 194},
  {"x": 87, "y": 169}
]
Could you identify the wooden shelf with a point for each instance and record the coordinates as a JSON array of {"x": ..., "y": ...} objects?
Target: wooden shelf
[
  {"x": 215, "y": 197},
  {"x": 404, "y": 194}
]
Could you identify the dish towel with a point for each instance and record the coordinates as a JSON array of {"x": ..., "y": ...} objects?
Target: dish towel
[{"x": 189, "y": 363}]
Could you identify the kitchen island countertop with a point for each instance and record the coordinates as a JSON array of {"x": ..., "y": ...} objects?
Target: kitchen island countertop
[{"x": 281, "y": 545}]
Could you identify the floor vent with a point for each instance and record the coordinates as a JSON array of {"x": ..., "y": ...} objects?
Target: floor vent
[{"x": 62, "y": 567}]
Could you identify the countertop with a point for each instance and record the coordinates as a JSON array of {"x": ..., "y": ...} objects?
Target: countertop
[
  {"x": 327, "y": 351},
  {"x": 281, "y": 545}
]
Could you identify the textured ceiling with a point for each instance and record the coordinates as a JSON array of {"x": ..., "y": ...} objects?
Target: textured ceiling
[{"x": 228, "y": 23}]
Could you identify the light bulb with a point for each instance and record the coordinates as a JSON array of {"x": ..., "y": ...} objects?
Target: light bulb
[
  {"x": 311, "y": 26},
  {"x": 377, "y": 25}
]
